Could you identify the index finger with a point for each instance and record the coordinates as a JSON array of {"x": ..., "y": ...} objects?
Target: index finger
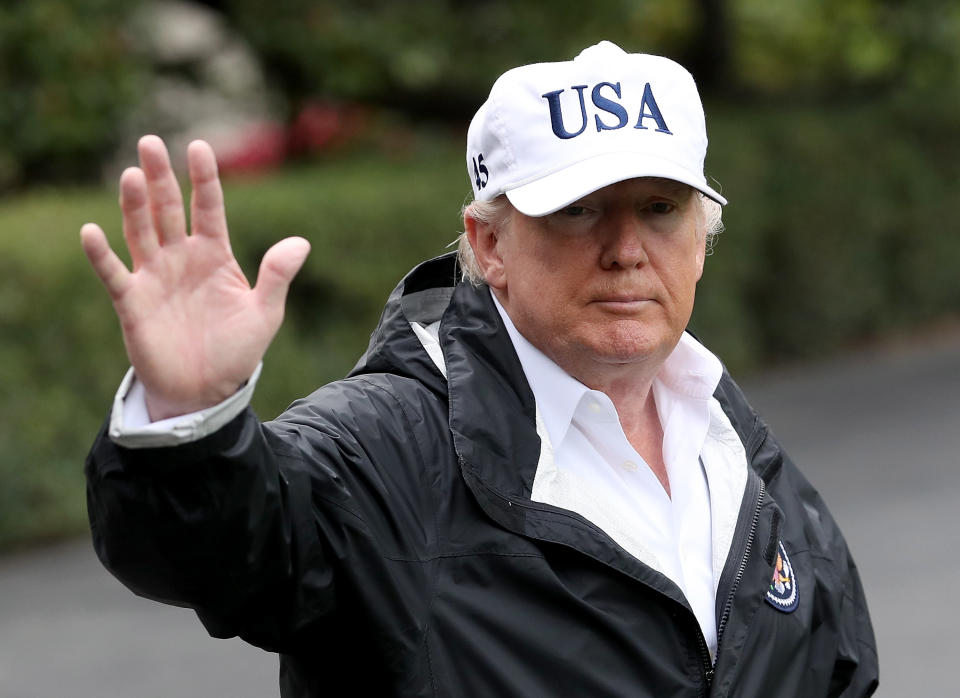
[{"x": 112, "y": 272}]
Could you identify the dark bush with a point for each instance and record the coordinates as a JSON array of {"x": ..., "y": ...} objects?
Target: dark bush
[
  {"x": 67, "y": 78},
  {"x": 839, "y": 228},
  {"x": 438, "y": 58}
]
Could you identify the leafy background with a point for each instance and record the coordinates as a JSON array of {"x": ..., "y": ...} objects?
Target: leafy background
[{"x": 833, "y": 126}]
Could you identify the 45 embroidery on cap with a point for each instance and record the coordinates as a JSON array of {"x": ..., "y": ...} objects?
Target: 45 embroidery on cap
[
  {"x": 480, "y": 172},
  {"x": 782, "y": 594}
]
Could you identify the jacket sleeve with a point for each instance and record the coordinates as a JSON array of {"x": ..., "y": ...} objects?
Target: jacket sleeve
[
  {"x": 841, "y": 630},
  {"x": 266, "y": 529},
  {"x": 856, "y": 670},
  {"x": 841, "y": 649}
]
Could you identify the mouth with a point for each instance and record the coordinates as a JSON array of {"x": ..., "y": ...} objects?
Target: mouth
[{"x": 622, "y": 303}]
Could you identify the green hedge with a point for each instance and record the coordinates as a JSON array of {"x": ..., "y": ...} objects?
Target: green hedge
[
  {"x": 68, "y": 77},
  {"x": 838, "y": 229}
]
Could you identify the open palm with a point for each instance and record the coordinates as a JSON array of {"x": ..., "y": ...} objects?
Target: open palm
[{"x": 193, "y": 327}]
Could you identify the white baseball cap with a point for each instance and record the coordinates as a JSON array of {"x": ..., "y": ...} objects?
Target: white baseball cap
[{"x": 551, "y": 133}]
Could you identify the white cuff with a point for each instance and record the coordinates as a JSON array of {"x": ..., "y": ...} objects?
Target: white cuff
[{"x": 130, "y": 424}]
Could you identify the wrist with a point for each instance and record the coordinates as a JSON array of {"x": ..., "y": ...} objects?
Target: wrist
[{"x": 159, "y": 408}]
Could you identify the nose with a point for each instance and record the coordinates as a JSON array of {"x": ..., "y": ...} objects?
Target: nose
[{"x": 624, "y": 243}]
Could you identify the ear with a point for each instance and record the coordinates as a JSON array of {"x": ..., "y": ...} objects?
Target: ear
[
  {"x": 701, "y": 254},
  {"x": 484, "y": 238}
]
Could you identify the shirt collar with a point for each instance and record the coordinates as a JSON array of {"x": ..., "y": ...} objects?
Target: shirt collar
[{"x": 691, "y": 371}]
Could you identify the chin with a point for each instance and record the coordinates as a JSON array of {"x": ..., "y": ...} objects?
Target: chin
[
  {"x": 628, "y": 352},
  {"x": 631, "y": 341}
]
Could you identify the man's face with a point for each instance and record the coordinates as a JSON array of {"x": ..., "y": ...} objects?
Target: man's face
[{"x": 607, "y": 282}]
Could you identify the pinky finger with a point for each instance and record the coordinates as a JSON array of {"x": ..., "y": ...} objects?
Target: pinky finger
[{"x": 107, "y": 265}]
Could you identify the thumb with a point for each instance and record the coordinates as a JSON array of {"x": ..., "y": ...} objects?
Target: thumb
[{"x": 280, "y": 264}]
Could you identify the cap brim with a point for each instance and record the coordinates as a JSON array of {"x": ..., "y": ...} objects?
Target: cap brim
[{"x": 561, "y": 188}]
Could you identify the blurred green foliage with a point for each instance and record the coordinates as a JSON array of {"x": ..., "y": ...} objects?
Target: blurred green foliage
[
  {"x": 847, "y": 48},
  {"x": 437, "y": 56},
  {"x": 836, "y": 237},
  {"x": 71, "y": 70},
  {"x": 840, "y": 228},
  {"x": 833, "y": 132},
  {"x": 67, "y": 78},
  {"x": 441, "y": 56}
]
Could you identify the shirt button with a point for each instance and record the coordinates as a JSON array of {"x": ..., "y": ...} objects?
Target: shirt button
[
  {"x": 594, "y": 406},
  {"x": 629, "y": 466}
]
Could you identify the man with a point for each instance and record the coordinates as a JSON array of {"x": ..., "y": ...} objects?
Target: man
[{"x": 534, "y": 482}]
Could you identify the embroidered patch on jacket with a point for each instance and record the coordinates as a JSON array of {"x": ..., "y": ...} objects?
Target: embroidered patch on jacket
[{"x": 782, "y": 594}]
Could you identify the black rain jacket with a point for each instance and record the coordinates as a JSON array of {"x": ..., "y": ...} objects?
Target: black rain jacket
[{"x": 380, "y": 536}]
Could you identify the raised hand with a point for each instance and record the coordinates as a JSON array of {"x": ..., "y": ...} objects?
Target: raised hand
[{"x": 194, "y": 330}]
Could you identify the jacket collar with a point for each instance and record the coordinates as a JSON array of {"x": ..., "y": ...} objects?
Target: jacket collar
[
  {"x": 492, "y": 408},
  {"x": 421, "y": 296},
  {"x": 492, "y": 412}
]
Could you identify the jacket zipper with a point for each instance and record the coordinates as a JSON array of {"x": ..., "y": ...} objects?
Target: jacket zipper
[
  {"x": 753, "y": 446},
  {"x": 728, "y": 604},
  {"x": 707, "y": 663}
]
